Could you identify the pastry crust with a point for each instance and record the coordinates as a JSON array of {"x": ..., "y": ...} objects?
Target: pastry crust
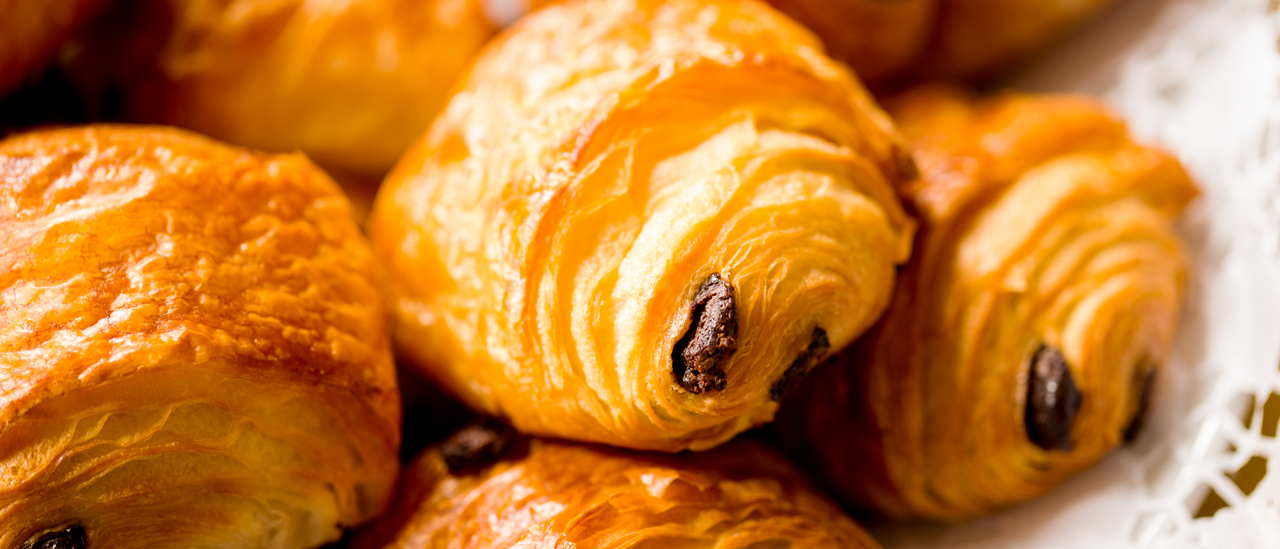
[
  {"x": 971, "y": 42},
  {"x": 889, "y": 41},
  {"x": 194, "y": 353},
  {"x": 30, "y": 32},
  {"x": 565, "y": 495},
  {"x": 879, "y": 39},
  {"x": 351, "y": 84},
  {"x": 1041, "y": 301},
  {"x": 637, "y": 221}
]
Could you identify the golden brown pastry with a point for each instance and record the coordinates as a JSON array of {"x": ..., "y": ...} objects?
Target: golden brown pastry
[
  {"x": 30, "y": 31},
  {"x": 193, "y": 352},
  {"x": 879, "y": 39},
  {"x": 351, "y": 84},
  {"x": 888, "y": 40},
  {"x": 980, "y": 38},
  {"x": 1026, "y": 331},
  {"x": 484, "y": 488},
  {"x": 640, "y": 222}
]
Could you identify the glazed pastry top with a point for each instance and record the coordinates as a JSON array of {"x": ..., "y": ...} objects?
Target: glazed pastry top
[
  {"x": 554, "y": 494},
  {"x": 351, "y": 84},
  {"x": 1026, "y": 331},
  {"x": 617, "y": 182},
  {"x": 130, "y": 248}
]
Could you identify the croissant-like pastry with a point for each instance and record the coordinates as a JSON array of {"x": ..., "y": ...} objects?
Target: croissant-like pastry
[
  {"x": 351, "y": 84},
  {"x": 641, "y": 222},
  {"x": 933, "y": 39},
  {"x": 193, "y": 354},
  {"x": 1027, "y": 329},
  {"x": 879, "y": 39},
  {"x": 30, "y": 31},
  {"x": 486, "y": 488},
  {"x": 981, "y": 38}
]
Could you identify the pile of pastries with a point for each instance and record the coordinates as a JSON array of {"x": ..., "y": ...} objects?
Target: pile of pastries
[{"x": 253, "y": 253}]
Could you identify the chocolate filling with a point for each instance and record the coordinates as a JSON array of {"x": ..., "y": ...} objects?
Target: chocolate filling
[
  {"x": 477, "y": 446},
  {"x": 1052, "y": 400},
  {"x": 1144, "y": 402},
  {"x": 697, "y": 359},
  {"x": 71, "y": 537},
  {"x": 810, "y": 357}
]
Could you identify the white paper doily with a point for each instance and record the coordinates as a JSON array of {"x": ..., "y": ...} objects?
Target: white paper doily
[{"x": 1202, "y": 79}]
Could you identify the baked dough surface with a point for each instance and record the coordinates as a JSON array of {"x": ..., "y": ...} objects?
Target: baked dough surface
[
  {"x": 194, "y": 353},
  {"x": 553, "y": 244},
  {"x": 1047, "y": 241},
  {"x": 351, "y": 84},
  {"x": 558, "y": 494},
  {"x": 887, "y": 42}
]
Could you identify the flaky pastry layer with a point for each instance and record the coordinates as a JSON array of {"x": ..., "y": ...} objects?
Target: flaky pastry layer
[
  {"x": 351, "y": 84},
  {"x": 193, "y": 354},
  {"x": 640, "y": 222},
  {"x": 1026, "y": 332},
  {"x": 565, "y": 495}
]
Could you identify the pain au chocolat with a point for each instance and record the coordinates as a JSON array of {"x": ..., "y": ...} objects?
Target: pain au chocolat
[
  {"x": 351, "y": 84},
  {"x": 193, "y": 351},
  {"x": 891, "y": 41},
  {"x": 1028, "y": 328},
  {"x": 640, "y": 223},
  {"x": 486, "y": 489}
]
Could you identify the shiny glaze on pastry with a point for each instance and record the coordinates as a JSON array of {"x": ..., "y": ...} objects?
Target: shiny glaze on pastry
[
  {"x": 351, "y": 84},
  {"x": 1028, "y": 328},
  {"x": 482, "y": 489},
  {"x": 889, "y": 40},
  {"x": 30, "y": 31},
  {"x": 193, "y": 353},
  {"x": 641, "y": 222}
]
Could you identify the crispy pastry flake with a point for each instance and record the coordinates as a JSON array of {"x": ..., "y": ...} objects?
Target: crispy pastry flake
[
  {"x": 632, "y": 216},
  {"x": 1044, "y": 293},
  {"x": 351, "y": 84},
  {"x": 193, "y": 352},
  {"x": 560, "y": 494}
]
